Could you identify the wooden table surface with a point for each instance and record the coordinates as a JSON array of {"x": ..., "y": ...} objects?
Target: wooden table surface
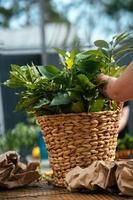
[{"x": 42, "y": 191}]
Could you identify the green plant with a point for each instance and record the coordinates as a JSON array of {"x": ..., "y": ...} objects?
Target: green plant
[
  {"x": 71, "y": 87},
  {"x": 125, "y": 143},
  {"x": 20, "y": 137}
]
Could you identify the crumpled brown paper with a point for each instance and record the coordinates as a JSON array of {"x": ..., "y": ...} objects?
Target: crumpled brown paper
[
  {"x": 103, "y": 174},
  {"x": 13, "y": 173},
  {"x": 124, "y": 176}
]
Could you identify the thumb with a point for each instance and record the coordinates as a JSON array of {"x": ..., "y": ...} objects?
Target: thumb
[{"x": 102, "y": 77}]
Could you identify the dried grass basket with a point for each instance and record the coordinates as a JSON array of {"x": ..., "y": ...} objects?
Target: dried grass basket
[{"x": 78, "y": 140}]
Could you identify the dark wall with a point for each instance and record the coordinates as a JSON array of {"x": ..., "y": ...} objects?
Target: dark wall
[{"x": 8, "y": 95}]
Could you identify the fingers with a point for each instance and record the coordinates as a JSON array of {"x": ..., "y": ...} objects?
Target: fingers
[
  {"x": 102, "y": 77},
  {"x": 106, "y": 87}
]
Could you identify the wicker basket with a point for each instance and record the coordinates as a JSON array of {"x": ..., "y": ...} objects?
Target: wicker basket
[{"x": 78, "y": 139}]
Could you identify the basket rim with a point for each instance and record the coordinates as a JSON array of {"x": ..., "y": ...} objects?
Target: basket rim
[{"x": 79, "y": 114}]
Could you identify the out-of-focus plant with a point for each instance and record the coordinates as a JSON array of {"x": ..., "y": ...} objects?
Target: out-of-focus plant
[
  {"x": 22, "y": 136},
  {"x": 125, "y": 143}
]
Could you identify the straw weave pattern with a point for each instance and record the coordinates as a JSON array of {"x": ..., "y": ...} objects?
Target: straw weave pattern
[{"x": 79, "y": 139}]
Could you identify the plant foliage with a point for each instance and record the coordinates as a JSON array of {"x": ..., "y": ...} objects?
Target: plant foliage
[
  {"x": 19, "y": 138},
  {"x": 72, "y": 87},
  {"x": 125, "y": 143}
]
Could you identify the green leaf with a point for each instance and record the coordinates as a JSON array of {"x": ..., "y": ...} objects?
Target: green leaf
[
  {"x": 22, "y": 77},
  {"x": 60, "y": 99},
  {"x": 89, "y": 61},
  {"x": 114, "y": 71},
  {"x": 74, "y": 95},
  {"x": 77, "y": 88},
  {"x": 27, "y": 100},
  {"x": 97, "y": 105},
  {"x": 85, "y": 81},
  {"x": 41, "y": 103},
  {"x": 77, "y": 107},
  {"x": 114, "y": 105},
  {"x": 120, "y": 37},
  {"x": 13, "y": 84},
  {"x": 82, "y": 56},
  {"x": 73, "y": 53},
  {"x": 19, "y": 71},
  {"x": 122, "y": 50},
  {"x": 32, "y": 73},
  {"x": 101, "y": 44},
  {"x": 61, "y": 52},
  {"x": 48, "y": 71}
]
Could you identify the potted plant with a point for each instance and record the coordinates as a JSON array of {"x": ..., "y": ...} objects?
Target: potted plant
[{"x": 79, "y": 123}]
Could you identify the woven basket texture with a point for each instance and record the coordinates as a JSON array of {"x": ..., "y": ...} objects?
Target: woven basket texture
[{"x": 79, "y": 139}]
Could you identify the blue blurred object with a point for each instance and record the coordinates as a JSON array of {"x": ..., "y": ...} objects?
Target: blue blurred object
[
  {"x": 131, "y": 156},
  {"x": 42, "y": 146}
]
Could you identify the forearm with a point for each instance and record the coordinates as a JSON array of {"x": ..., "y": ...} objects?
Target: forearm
[
  {"x": 121, "y": 89},
  {"x": 124, "y": 118}
]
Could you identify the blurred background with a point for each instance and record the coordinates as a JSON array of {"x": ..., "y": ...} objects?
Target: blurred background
[{"x": 30, "y": 29}]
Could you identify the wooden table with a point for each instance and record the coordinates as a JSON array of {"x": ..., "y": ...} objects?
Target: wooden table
[{"x": 42, "y": 191}]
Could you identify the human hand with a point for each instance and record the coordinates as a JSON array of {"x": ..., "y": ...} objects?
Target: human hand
[
  {"x": 106, "y": 78},
  {"x": 108, "y": 88},
  {"x": 109, "y": 82}
]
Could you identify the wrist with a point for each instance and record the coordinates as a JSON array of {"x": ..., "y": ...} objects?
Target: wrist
[{"x": 110, "y": 88}]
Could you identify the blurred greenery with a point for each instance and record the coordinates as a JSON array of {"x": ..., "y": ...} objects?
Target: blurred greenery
[
  {"x": 111, "y": 8},
  {"x": 22, "y": 136},
  {"x": 16, "y": 9},
  {"x": 125, "y": 143}
]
